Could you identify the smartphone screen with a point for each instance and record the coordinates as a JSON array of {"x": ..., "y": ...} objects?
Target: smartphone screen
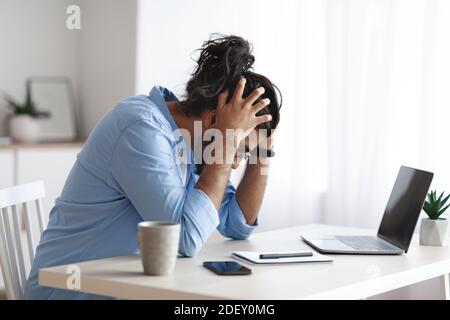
[{"x": 225, "y": 268}]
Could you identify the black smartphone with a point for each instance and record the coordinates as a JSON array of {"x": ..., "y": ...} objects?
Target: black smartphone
[{"x": 226, "y": 268}]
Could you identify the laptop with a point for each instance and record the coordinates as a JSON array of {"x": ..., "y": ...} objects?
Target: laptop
[{"x": 397, "y": 225}]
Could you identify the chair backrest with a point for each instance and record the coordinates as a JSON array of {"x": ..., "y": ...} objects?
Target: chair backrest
[{"x": 15, "y": 202}]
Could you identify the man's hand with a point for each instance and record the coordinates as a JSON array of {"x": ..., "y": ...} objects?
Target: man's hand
[{"x": 240, "y": 114}]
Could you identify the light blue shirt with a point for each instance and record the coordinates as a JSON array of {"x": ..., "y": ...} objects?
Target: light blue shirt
[{"x": 128, "y": 172}]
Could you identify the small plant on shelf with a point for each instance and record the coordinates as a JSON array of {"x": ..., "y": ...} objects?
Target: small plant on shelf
[
  {"x": 26, "y": 108},
  {"x": 23, "y": 123}
]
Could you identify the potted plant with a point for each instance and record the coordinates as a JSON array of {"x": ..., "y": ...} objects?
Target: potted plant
[
  {"x": 23, "y": 126},
  {"x": 434, "y": 229}
]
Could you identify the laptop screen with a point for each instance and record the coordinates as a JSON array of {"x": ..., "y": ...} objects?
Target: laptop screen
[{"x": 404, "y": 206}]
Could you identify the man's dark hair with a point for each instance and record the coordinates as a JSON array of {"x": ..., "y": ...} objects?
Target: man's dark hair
[{"x": 222, "y": 62}]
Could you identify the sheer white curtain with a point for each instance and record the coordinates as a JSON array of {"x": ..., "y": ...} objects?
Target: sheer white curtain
[
  {"x": 364, "y": 85},
  {"x": 389, "y": 102}
]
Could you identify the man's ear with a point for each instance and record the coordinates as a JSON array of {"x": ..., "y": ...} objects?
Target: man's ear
[{"x": 209, "y": 119}]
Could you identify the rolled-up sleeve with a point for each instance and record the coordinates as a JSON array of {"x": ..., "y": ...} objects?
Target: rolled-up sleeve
[
  {"x": 232, "y": 221},
  {"x": 144, "y": 167}
]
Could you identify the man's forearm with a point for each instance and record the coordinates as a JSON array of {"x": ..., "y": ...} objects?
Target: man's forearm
[
  {"x": 250, "y": 191},
  {"x": 213, "y": 181},
  {"x": 214, "y": 177}
]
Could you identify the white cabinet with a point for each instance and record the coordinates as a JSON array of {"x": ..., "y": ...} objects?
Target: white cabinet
[
  {"x": 50, "y": 164},
  {"x": 6, "y": 168}
]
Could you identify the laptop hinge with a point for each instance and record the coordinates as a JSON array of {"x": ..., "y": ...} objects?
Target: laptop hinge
[{"x": 387, "y": 240}]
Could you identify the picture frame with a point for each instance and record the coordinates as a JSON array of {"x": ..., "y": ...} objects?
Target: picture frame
[{"x": 55, "y": 95}]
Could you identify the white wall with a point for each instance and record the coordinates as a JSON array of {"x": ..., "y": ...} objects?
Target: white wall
[
  {"x": 35, "y": 41},
  {"x": 99, "y": 58},
  {"x": 107, "y": 56}
]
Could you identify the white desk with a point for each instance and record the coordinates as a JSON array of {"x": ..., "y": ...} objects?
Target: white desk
[{"x": 348, "y": 277}]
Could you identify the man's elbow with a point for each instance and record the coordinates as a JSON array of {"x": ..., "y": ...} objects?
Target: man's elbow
[
  {"x": 189, "y": 248},
  {"x": 240, "y": 236},
  {"x": 189, "y": 252},
  {"x": 233, "y": 234}
]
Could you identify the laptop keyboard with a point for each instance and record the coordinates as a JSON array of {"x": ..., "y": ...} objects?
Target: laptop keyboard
[{"x": 364, "y": 243}]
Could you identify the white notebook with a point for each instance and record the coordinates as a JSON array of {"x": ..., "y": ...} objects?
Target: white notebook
[{"x": 253, "y": 256}]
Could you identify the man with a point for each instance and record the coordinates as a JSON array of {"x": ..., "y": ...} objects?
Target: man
[{"x": 130, "y": 169}]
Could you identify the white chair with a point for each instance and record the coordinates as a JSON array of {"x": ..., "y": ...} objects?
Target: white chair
[{"x": 12, "y": 256}]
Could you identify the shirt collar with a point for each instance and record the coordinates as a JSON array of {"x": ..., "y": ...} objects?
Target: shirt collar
[{"x": 159, "y": 95}]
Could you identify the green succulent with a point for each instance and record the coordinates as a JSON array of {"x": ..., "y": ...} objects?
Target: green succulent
[
  {"x": 27, "y": 108},
  {"x": 435, "y": 206}
]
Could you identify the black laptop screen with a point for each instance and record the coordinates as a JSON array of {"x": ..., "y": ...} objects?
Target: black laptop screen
[{"x": 404, "y": 206}]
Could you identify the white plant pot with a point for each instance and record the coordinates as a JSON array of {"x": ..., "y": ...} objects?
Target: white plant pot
[
  {"x": 434, "y": 232},
  {"x": 24, "y": 128}
]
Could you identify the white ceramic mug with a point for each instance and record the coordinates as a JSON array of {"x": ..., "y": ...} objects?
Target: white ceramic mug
[{"x": 158, "y": 242}]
